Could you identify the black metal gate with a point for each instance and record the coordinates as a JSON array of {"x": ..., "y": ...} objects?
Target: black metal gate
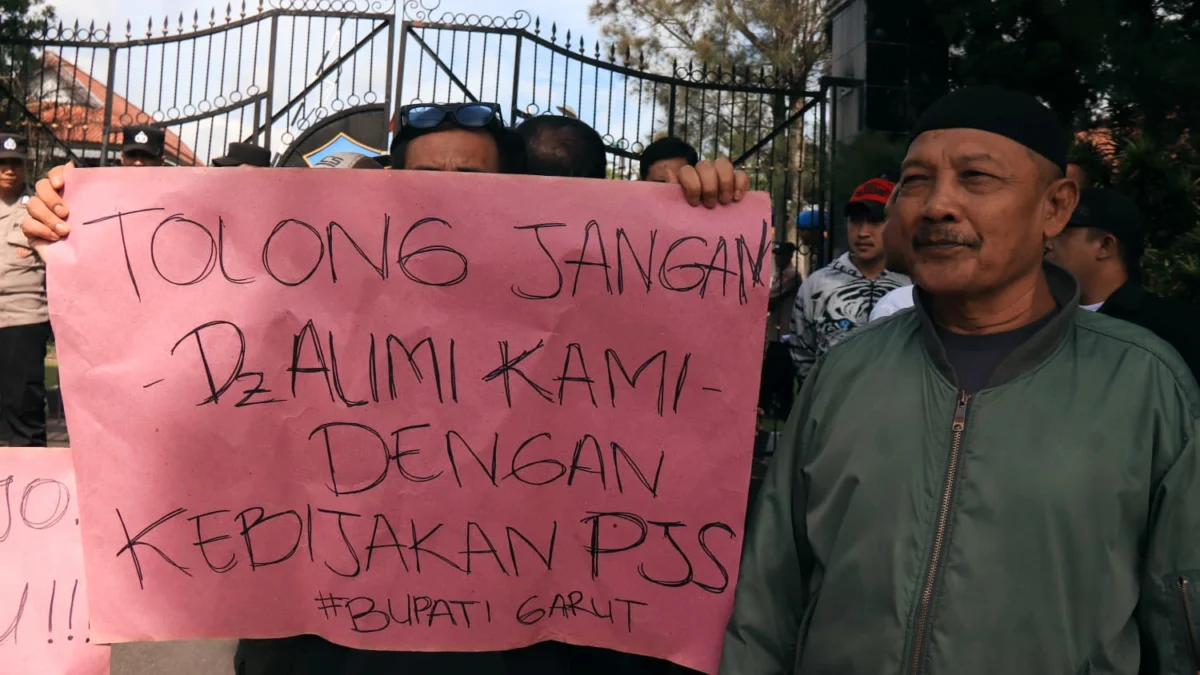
[
  {"x": 269, "y": 72},
  {"x": 262, "y": 74},
  {"x": 770, "y": 125}
]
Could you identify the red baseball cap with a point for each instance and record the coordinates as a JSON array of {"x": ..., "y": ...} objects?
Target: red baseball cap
[{"x": 871, "y": 197}]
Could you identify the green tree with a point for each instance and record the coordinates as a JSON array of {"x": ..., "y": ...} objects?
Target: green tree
[
  {"x": 869, "y": 154},
  {"x": 18, "y": 20},
  {"x": 1125, "y": 69},
  {"x": 785, "y": 35},
  {"x": 785, "y": 40},
  {"x": 1166, "y": 187}
]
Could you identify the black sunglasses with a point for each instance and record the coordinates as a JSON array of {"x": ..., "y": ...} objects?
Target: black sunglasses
[{"x": 467, "y": 115}]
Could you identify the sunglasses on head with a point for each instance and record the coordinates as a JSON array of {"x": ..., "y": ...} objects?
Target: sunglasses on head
[{"x": 467, "y": 115}]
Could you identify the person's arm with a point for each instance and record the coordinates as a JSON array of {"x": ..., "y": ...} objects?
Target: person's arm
[
  {"x": 804, "y": 333},
  {"x": 1168, "y": 612},
  {"x": 777, "y": 563}
]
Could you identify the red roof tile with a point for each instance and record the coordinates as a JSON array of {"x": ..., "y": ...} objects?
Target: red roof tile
[{"x": 78, "y": 124}]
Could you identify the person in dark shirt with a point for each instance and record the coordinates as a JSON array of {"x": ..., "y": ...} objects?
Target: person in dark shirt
[{"x": 1102, "y": 247}]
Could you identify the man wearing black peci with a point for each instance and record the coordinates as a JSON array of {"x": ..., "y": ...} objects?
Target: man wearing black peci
[{"x": 997, "y": 481}]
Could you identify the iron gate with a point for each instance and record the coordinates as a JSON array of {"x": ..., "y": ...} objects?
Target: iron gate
[
  {"x": 261, "y": 74},
  {"x": 267, "y": 73},
  {"x": 768, "y": 123}
]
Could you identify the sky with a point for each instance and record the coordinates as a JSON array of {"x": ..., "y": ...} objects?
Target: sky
[
  {"x": 571, "y": 14},
  {"x": 137, "y": 73},
  {"x": 189, "y": 79}
]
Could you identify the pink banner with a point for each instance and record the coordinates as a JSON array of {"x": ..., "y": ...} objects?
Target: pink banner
[
  {"x": 43, "y": 597},
  {"x": 410, "y": 411}
]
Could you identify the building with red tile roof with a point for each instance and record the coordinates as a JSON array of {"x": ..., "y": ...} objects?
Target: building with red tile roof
[{"x": 70, "y": 103}]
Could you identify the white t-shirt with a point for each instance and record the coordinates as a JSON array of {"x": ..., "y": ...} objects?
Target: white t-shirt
[
  {"x": 1093, "y": 308},
  {"x": 894, "y": 301}
]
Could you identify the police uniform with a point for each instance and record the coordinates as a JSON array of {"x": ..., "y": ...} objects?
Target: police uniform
[{"x": 24, "y": 321}]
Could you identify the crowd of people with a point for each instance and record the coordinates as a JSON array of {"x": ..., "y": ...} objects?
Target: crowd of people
[{"x": 992, "y": 463}]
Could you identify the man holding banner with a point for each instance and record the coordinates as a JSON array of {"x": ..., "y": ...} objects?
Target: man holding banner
[{"x": 451, "y": 139}]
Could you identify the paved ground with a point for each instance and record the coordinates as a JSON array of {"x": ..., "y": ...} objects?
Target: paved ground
[{"x": 174, "y": 658}]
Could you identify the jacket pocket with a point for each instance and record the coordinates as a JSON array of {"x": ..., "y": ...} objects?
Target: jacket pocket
[{"x": 1185, "y": 587}]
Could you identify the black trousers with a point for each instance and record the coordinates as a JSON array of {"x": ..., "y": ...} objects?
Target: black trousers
[
  {"x": 310, "y": 655},
  {"x": 23, "y": 385},
  {"x": 777, "y": 391}
]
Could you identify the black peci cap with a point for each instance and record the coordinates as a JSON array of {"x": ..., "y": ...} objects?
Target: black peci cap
[{"x": 1014, "y": 115}]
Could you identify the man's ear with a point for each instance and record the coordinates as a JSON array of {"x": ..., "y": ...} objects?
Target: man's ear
[
  {"x": 1108, "y": 248},
  {"x": 1062, "y": 196}
]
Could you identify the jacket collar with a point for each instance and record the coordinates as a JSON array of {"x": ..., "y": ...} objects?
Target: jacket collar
[
  {"x": 845, "y": 265},
  {"x": 1128, "y": 297},
  {"x": 1037, "y": 349}
]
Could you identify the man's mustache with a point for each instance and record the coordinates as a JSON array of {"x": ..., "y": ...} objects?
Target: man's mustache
[{"x": 942, "y": 235}]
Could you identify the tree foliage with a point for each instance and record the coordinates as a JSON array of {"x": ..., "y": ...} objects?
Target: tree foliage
[
  {"x": 1124, "y": 68},
  {"x": 787, "y": 36},
  {"x": 18, "y": 19},
  {"x": 1124, "y": 71},
  {"x": 739, "y": 41}
]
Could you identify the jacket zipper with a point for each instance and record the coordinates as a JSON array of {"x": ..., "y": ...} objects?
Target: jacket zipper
[
  {"x": 939, "y": 538},
  {"x": 1189, "y": 624}
]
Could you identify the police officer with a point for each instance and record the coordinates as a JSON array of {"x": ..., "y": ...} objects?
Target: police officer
[
  {"x": 142, "y": 145},
  {"x": 1102, "y": 246},
  {"x": 24, "y": 318}
]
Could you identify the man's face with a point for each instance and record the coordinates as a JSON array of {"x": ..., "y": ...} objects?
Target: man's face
[
  {"x": 866, "y": 237},
  {"x": 139, "y": 158},
  {"x": 893, "y": 243},
  {"x": 975, "y": 211},
  {"x": 1076, "y": 251},
  {"x": 454, "y": 150},
  {"x": 12, "y": 175},
  {"x": 660, "y": 171}
]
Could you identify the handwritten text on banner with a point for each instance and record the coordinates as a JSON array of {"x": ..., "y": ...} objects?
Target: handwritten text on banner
[
  {"x": 43, "y": 598},
  {"x": 410, "y": 411}
]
